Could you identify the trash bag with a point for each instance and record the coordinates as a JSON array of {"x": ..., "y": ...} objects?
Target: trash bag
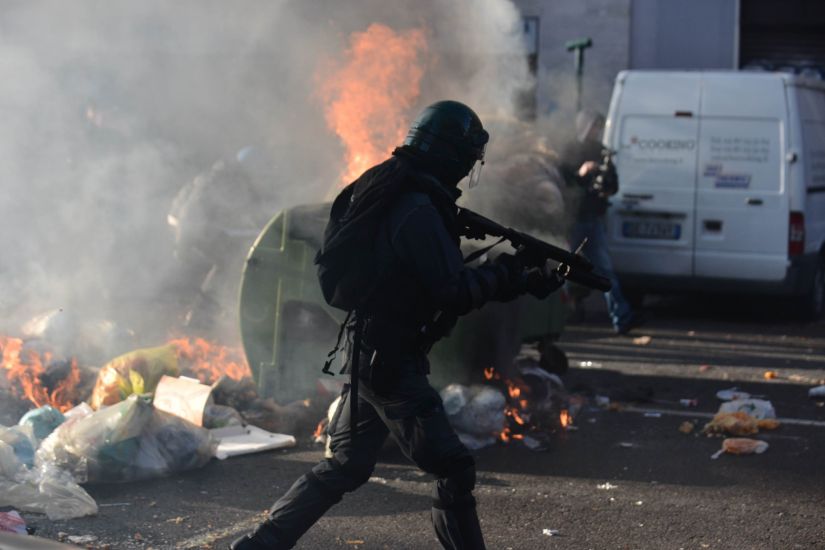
[
  {"x": 21, "y": 440},
  {"x": 46, "y": 490},
  {"x": 221, "y": 416},
  {"x": 43, "y": 421},
  {"x": 133, "y": 373},
  {"x": 481, "y": 415},
  {"x": 126, "y": 442}
]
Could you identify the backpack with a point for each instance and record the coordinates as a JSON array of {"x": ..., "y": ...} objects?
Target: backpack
[{"x": 347, "y": 267}]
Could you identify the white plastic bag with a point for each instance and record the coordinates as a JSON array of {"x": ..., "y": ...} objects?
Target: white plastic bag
[
  {"x": 128, "y": 441},
  {"x": 45, "y": 490}
]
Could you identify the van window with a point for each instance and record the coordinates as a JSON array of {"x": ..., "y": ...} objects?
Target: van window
[{"x": 740, "y": 154}]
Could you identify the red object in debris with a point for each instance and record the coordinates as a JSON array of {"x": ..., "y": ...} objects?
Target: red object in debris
[{"x": 11, "y": 522}]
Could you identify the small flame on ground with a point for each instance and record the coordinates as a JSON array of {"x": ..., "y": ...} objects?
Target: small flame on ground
[
  {"x": 564, "y": 418},
  {"x": 25, "y": 375},
  {"x": 319, "y": 430},
  {"x": 208, "y": 361},
  {"x": 367, "y": 99}
]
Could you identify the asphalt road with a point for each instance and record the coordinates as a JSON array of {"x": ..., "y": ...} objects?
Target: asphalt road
[{"x": 624, "y": 479}]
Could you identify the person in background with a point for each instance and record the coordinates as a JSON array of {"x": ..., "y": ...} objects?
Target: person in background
[{"x": 585, "y": 165}]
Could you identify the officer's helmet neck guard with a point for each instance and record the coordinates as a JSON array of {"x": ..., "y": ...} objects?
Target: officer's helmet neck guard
[{"x": 450, "y": 134}]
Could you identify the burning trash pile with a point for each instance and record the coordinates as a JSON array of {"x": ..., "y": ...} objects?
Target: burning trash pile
[
  {"x": 529, "y": 406},
  {"x": 147, "y": 413}
]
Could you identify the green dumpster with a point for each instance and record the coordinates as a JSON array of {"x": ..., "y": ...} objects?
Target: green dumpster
[{"x": 287, "y": 328}]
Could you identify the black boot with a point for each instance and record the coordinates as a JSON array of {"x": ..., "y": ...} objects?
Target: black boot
[
  {"x": 263, "y": 538},
  {"x": 246, "y": 543}
]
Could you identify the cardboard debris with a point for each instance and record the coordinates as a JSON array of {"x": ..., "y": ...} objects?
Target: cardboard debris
[
  {"x": 184, "y": 397},
  {"x": 241, "y": 440}
]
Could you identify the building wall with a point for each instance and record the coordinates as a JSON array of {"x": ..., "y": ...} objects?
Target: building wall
[
  {"x": 606, "y": 22},
  {"x": 679, "y": 34}
]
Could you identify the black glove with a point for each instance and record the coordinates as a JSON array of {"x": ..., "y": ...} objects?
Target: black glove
[{"x": 541, "y": 283}]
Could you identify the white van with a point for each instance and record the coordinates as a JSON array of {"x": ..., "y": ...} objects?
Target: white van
[{"x": 721, "y": 183}]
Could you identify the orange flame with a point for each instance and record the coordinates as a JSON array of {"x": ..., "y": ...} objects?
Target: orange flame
[
  {"x": 368, "y": 98},
  {"x": 208, "y": 361},
  {"x": 488, "y": 373},
  {"x": 320, "y": 429},
  {"x": 25, "y": 375},
  {"x": 564, "y": 418}
]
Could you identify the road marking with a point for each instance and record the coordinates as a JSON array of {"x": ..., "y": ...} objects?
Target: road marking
[
  {"x": 694, "y": 414},
  {"x": 206, "y": 539}
]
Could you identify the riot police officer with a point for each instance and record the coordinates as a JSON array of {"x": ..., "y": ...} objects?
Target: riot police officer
[{"x": 422, "y": 289}]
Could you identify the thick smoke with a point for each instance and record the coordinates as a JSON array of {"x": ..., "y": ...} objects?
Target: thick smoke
[{"x": 109, "y": 108}]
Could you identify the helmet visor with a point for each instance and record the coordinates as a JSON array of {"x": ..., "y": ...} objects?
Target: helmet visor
[{"x": 475, "y": 172}]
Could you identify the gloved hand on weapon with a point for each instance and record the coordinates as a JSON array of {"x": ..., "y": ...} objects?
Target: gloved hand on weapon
[
  {"x": 541, "y": 283},
  {"x": 538, "y": 282}
]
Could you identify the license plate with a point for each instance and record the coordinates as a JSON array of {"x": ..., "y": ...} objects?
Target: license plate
[{"x": 649, "y": 229}]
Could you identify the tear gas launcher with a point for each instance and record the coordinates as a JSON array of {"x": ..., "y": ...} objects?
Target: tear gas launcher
[{"x": 531, "y": 251}]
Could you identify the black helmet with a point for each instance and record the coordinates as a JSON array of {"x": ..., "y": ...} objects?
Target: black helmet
[{"x": 451, "y": 134}]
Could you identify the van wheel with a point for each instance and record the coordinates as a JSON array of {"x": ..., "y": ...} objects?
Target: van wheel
[{"x": 815, "y": 298}]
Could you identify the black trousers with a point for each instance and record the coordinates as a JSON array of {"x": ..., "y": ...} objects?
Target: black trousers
[{"x": 410, "y": 410}]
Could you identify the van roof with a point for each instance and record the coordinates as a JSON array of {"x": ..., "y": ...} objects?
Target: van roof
[{"x": 786, "y": 78}]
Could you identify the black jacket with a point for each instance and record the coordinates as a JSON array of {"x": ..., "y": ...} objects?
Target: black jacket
[{"x": 424, "y": 285}]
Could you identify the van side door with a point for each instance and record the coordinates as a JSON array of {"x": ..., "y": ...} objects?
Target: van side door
[{"x": 742, "y": 205}]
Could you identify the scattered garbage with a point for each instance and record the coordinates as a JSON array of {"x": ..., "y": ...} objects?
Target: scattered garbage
[
  {"x": 221, "y": 416},
  {"x": 477, "y": 413},
  {"x": 183, "y": 397},
  {"x": 12, "y": 522},
  {"x": 21, "y": 441},
  {"x": 43, "y": 421},
  {"x": 550, "y": 532},
  {"x": 642, "y": 340},
  {"x": 82, "y": 540},
  {"x": 606, "y": 486},
  {"x": 704, "y": 368},
  {"x": 687, "y": 427},
  {"x": 817, "y": 392},
  {"x": 650, "y": 414},
  {"x": 738, "y": 423},
  {"x": 757, "y": 408},
  {"x": 601, "y": 400},
  {"x": 129, "y": 441},
  {"x": 241, "y": 440},
  {"x": 741, "y": 446},
  {"x": 135, "y": 372},
  {"x": 689, "y": 402},
  {"x": 732, "y": 394},
  {"x": 770, "y": 375},
  {"x": 45, "y": 489}
]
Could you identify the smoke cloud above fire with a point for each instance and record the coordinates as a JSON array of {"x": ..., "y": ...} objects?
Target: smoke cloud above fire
[{"x": 109, "y": 108}]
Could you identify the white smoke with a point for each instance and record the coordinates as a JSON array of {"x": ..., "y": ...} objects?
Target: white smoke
[{"x": 109, "y": 107}]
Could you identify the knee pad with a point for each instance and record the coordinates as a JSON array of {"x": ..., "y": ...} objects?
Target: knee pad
[{"x": 456, "y": 487}]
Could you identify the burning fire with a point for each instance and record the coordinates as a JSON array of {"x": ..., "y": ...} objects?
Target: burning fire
[
  {"x": 25, "y": 370},
  {"x": 523, "y": 415},
  {"x": 208, "y": 361},
  {"x": 367, "y": 99}
]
